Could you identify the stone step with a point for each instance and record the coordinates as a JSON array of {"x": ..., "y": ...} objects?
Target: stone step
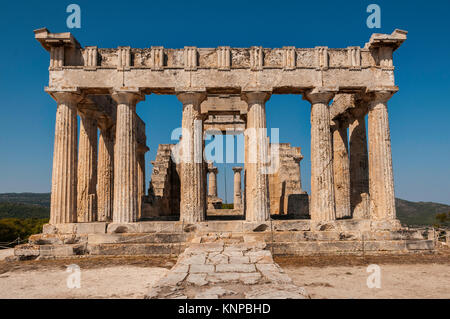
[
  {"x": 131, "y": 249},
  {"x": 311, "y": 248},
  {"x": 139, "y": 238}
]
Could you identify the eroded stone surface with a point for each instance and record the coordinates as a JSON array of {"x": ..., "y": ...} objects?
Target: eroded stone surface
[{"x": 215, "y": 269}]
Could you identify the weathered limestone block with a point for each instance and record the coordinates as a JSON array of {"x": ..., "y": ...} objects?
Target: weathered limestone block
[
  {"x": 164, "y": 192},
  {"x": 63, "y": 207},
  {"x": 125, "y": 159},
  {"x": 256, "y": 179},
  {"x": 285, "y": 185},
  {"x": 192, "y": 205},
  {"x": 322, "y": 185},
  {"x": 381, "y": 179},
  {"x": 87, "y": 168},
  {"x": 341, "y": 169}
]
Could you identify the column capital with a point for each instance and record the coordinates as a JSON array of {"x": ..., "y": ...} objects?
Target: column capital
[
  {"x": 87, "y": 112},
  {"x": 298, "y": 158},
  {"x": 256, "y": 96},
  {"x": 105, "y": 123},
  {"x": 213, "y": 170},
  {"x": 142, "y": 149},
  {"x": 341, "y": 121},
  {"x": 237, "y": 169},
  {"x": 127, "y": 96},
  {"x": 380, "y": 95},
  {"x": 191, "y": 96},
  {"x": 66, "y": 96},
  {"x": 320, "y": 95}
]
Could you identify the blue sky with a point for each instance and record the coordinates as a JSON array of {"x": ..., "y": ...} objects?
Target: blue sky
[{"x": 419, "y": 113}]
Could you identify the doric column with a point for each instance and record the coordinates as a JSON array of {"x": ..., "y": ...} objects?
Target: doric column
[
  {"x": 87, "y": 168},
  {"x": 359, "y": 168},
  {"x": 381, "y": 179},
  {"x": 125, "y": 160},
  {"x": 341, "y": 169},
  {"x": 192, "y": 179},
  {"x": 237, "y": 199},
  {"x": 142, "y": 149},
  {"x": 105, "y": 172},
  {"x": 322, "y": 185},
  {"x": 257, "y": 184},
  {"x": 63, "y": 207},
  {"x": 212, "y": 189},
  {"x": 298, "y": 160}
]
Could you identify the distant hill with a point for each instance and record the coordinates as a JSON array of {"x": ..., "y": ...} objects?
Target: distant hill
[
  {"x": 37, "y": 205},
  {"x": 419, "y": 213},
  {"x": 25, "y": 205},
  {"x": 41, "y": 199}
]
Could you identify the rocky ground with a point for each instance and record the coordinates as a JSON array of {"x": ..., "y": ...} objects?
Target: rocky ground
[
  {"x": 408, "y": 276},
  {"x": 222, "y": 266}
]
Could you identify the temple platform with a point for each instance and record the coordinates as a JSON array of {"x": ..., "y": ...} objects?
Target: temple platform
[{"x": 170, "y": 238}]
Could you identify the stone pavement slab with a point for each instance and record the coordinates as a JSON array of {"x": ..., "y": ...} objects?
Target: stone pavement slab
[{"x": 212, "y": 267}]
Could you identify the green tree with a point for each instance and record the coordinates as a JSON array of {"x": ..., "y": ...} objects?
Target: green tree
[{"x": 13, "y": 228}]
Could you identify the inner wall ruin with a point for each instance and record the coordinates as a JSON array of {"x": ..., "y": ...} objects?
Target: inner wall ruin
[{"x": 98, "y": 187}]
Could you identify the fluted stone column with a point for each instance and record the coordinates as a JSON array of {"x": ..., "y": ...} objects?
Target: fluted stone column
[
  {"x": 141, "y": 176},
  {"x": 63, "y": 206},
  {"x": 322, "y": 186},
  {"x": 237, "y": 199},
  {"x": 87, "y": 168},
  {"x": 257, "y": 184},
  {"x": 298, "y": 160},
  {"x": 192, "y": 179},
  {"x": 105, "y": 172},
  {"x": 381, "y": 179},
  {"x": 125, "y": 160},
  {"x": 359, "y": 168},
  {"x": 212, "y": 187},
  {"x": 341, "y": 169}
]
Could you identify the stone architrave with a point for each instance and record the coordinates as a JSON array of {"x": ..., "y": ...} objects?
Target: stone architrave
[
  {"x": 322, "y": 182},
  {"x": 257, "y": 184},
  {"x": 193, "y": 199},
  {"x": 237, "y": 198},
  {"x": 63, "y": 206},
  {"x": 87, "y": 168},
  {"x": 381, "y": 179},
  {"x": 126, "y": 201}
]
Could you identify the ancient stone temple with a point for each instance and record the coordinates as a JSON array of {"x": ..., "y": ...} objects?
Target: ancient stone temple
[{"x": 98, "y": 185}]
